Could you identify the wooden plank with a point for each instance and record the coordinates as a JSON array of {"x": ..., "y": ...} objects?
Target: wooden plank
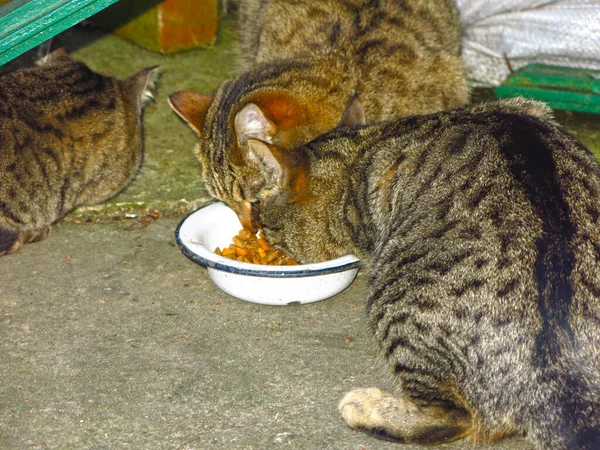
[
  {"x": 27, "y": 23},
  {"x": 560, "y": 87}
]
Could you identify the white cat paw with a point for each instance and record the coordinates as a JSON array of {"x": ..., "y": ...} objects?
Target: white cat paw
[{"x": 359, "y": 406}]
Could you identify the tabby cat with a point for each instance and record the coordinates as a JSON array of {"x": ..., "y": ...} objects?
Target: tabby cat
[
  {"x": 479, "y": 232},
  {"x": 68, "y": 137},
  {"x": 307, "y": 59}
]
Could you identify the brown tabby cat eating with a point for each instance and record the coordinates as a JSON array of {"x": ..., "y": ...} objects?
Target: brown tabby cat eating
[
  {"x": 68, "y": 137},
  {"x": 479, "y": 232},
  {"x": 308, "y": 59}
]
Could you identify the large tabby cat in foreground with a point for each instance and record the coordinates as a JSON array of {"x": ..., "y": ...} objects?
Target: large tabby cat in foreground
[
  {"x": 479, "y": 231},
  {"x": 68, "y": 137},
  {"x": 307, "y": 59}
]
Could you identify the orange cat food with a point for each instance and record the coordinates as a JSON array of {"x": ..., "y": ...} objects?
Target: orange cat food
[{"x": 248, "y": 247}]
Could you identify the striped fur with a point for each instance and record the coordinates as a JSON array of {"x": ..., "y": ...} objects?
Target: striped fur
[
  {"x": 403, "y": 55},
  {"x": 305, "y": 61},
  {"x": 68, "y": 137},
  {"x": 478, "y": 229}
]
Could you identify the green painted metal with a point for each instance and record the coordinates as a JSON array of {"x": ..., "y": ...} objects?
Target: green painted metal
[
  {"x": 560, "y": 87},
  {"x": 27, "y": 23}
]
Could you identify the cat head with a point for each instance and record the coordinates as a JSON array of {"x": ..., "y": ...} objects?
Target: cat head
[
  {"x": 300, "y": 191},
  {"x": 299, "y": 188},
  {"x": 285, "y": 105}
]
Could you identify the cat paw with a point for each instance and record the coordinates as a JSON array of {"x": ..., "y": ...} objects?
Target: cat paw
[
  {"x": 359, "y": 406},
  {"x": 13, "y": 248},
  {"x": 42, "y": 234},
  {"x": 399, "y": 419},
  {"x": 8, "y": 240},
  {"x": 11, "y": 241},
  {"x": 36, "y": 235}
]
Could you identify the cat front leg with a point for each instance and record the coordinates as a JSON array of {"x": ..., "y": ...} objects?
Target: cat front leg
[{"x": 385, "y": 416}]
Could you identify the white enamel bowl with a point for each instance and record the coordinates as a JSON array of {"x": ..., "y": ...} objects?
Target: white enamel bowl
[{"x": 215, "y": 225}]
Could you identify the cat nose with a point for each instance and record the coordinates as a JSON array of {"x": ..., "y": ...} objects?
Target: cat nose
[
  {"x": 249, "y": 225},
  {"x": 246, "y": 217}
]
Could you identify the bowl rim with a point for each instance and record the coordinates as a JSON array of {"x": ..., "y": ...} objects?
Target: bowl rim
[{"x": 211, "y": 260}]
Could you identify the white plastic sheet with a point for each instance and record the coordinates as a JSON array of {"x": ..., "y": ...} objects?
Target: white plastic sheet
[{"x": 557, "y": 32}]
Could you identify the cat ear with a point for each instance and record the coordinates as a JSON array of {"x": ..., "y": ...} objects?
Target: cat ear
[
  {"x": 51, "y": 51},
  {"x": 264, "y": 155},
  {"x": 251, "y": 123},
  {"x": 191, "y": 107},
  {"x": 354, "y": 113},
  {"x": 287, "y": 120},
  {"x": 143, "y": 83},
  {"x": 288, "y": 168}
]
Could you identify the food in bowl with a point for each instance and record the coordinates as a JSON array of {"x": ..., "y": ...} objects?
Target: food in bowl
[
  {"x": 215, "y": 225},
  {"x": 253, "y": 249}
]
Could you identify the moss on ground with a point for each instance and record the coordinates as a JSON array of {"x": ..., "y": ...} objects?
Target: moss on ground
[{"x": 169, "y": 181}]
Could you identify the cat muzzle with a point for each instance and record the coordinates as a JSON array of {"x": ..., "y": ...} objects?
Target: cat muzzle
[{"x": 247, "y": 217}]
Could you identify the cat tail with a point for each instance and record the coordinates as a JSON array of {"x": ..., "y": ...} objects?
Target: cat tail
[
  {"x": 8, "y": 239},
  {"x": 569, "y": 418}
]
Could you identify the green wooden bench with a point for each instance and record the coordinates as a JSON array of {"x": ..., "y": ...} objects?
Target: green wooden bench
[
  {"x": 25, "y": 24},
  {"x": 560, "y": 87}
]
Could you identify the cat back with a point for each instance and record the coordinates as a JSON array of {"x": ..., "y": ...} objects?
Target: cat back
[
  {"x": 478, "y": 230},
  {"x": 69, "y": 137}
]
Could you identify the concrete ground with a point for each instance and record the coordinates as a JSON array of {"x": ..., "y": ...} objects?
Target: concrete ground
[{"x": 110, "y": 338}]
